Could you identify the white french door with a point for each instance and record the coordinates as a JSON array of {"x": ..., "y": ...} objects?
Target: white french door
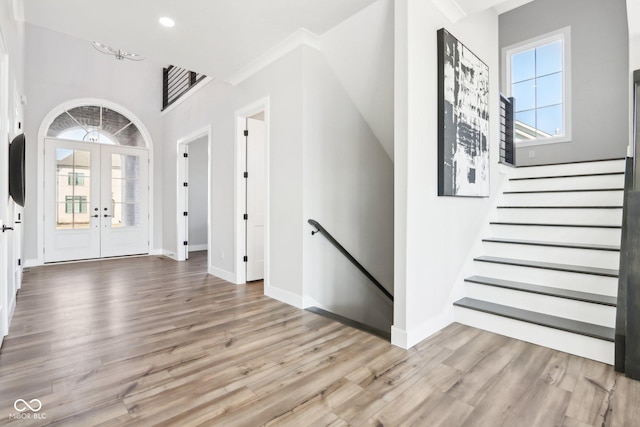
[{"x": 96, "y": 201}]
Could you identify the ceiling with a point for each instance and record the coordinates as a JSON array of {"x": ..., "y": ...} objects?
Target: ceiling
[{"x": 214, "y": 37}]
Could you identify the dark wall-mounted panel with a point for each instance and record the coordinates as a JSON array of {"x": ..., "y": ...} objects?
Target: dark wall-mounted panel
[{"x": 16, "y": 169}]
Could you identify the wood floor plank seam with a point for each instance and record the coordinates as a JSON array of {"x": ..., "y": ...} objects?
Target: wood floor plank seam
[{"x": 150, "y": 341}]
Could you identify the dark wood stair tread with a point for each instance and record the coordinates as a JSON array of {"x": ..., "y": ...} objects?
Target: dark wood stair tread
[
  {"x": 544, "y": 290},
  {"x": 579, "y": 175},
  {"x": 589, "y": 246},
  {"x": 550, "y": 266},
  {"x": 575, "y": 190},
  {"x": 542, "y": 224},
  {"x": 559, "y": 207},
  {"x": 560, "y": 323},
  {"x": 352, "y": 323},
  {"x": 573, "y": 162}
]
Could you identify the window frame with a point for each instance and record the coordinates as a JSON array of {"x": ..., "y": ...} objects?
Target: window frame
[
  {"x": 73, "y": 201},
  {"x": 563, "y": 34},
  {"x": 75, "y": 179}
]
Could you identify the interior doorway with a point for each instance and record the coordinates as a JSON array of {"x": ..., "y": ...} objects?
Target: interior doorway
[
  {"x": 193, "y": 203},
  {"x": 255, "y": 199},
  {"x": 252, "y": 193}
]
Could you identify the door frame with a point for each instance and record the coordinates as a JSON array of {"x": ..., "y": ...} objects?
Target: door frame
[
  {"x": 181, "y": 200},
  {"x": 240, "y": 119},
  {"x": 42, "y": 134},
  {"x": 7, "y": 311}
]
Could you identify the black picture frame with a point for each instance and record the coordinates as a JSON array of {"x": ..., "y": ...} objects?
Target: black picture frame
[{"x": 463, "y": 120}]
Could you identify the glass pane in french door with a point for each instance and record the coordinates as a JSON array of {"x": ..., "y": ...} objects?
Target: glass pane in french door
[
  {"x": 125, "y": 190},
  {"x": 73, "y": 189}
]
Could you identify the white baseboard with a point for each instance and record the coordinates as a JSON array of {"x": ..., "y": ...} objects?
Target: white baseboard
[
  {"x": 31, "y": 263},
  {"x": 195, "y": 248},
  {"x": 307, "y": 302},
  {"x": 284, "y": 296},
  {"x": 156, "y": 252},
  {"x": 223, "y": 274},
  {"x": 407, "y": 339}
]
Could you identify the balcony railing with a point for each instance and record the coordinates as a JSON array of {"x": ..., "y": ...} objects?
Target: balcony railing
[{"x": 176, "y": 82}]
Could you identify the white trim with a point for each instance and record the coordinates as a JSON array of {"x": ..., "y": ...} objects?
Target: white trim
[
  {"x": 450, "y": 9},
  {"x": 284, "y": 296},
  {"x": 240, "y": 117},
  {"x": 295, "y": 40},
  {"x": 508, "y": 5},
  {"x": 156, "y": 252},
  {"x": 42, "y": 132},
  {"x": 407, "y": 339},
  {"x": 563, "y": 34},
  {"x": 222, "y": 274},
  {"x": 187, "y": 95},
  {"x": 196, "y": 248},
  {"x": 181, "y": 176},
  {"x": 28, "y": 263},
  {"x": 18, "y": 10}
]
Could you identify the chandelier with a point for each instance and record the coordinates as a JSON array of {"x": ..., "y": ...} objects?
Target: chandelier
[{"x": 119, "y": 54}]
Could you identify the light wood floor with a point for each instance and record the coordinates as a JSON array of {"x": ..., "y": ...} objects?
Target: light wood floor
[{"x": 149, "y": 341}]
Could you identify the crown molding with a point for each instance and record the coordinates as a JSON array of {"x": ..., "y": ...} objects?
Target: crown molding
[
  {"x": 18, "y": 10},
  {"x": 450, "y": 9},
  {"x": 301, "y": 37}
]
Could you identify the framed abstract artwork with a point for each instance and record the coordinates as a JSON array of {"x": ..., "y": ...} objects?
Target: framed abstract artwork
[{"x": 463, "y": 120}]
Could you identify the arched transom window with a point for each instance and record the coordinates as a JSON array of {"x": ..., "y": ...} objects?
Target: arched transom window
[{"x": 95, "y": 123}]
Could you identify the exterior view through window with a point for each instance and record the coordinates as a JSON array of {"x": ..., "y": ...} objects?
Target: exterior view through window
[{"x": 537, "y": 79}]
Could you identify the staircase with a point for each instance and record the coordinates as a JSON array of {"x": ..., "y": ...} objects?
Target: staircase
[{"x": 548, "y": 273}]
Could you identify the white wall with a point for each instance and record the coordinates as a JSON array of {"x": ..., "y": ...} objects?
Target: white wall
[
  {"x": 198, "y": 188},
  {"x": 60, "y": 68},
  {"x": 12, "y": 87},
  {"x": 433, "y": 235},
  {"x": 348, "y": 188},
  {"x": 215, "y": 105},
  {"x": 599, "y": 72},
  {"x": 360, "y": 52}
]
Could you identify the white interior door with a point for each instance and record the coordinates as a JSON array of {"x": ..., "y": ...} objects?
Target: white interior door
[
  {"x": 255, "y": 199},
  {"x": 124, "y": 211},
  {"x": 72, "y": 201},
  {"x": 96, "y": 201}
]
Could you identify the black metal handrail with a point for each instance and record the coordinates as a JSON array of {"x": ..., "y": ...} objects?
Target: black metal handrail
[
  {"x": 320, "y": 229},
  {"x": 176, "y": 82},
  {"x": 507, "y": 130}
]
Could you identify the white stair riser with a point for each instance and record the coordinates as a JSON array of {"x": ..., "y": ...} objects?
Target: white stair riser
[
  {"x": 580, "y": 198},
  {"x": 561, "y": 216},
  {"x": 568, "y": 169},
  {"x": 591, "y": 348},
  {"x": 573, "y": 183},
  {"x": 570, "y": 256},
  {"x": 554, "y": 306},
  {"x": 558, "y": 279},
  {"x": 602, "y": 236}
]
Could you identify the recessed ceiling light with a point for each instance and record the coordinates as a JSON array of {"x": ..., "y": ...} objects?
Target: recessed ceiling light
[{"x": 167, "y": 22}]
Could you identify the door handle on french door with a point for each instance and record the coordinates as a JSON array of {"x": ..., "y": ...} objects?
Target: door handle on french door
[
  {"x": 95, "y": 216},
  {"x": 108, "y": 216},
  {"x": 5, "y": 228}
]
